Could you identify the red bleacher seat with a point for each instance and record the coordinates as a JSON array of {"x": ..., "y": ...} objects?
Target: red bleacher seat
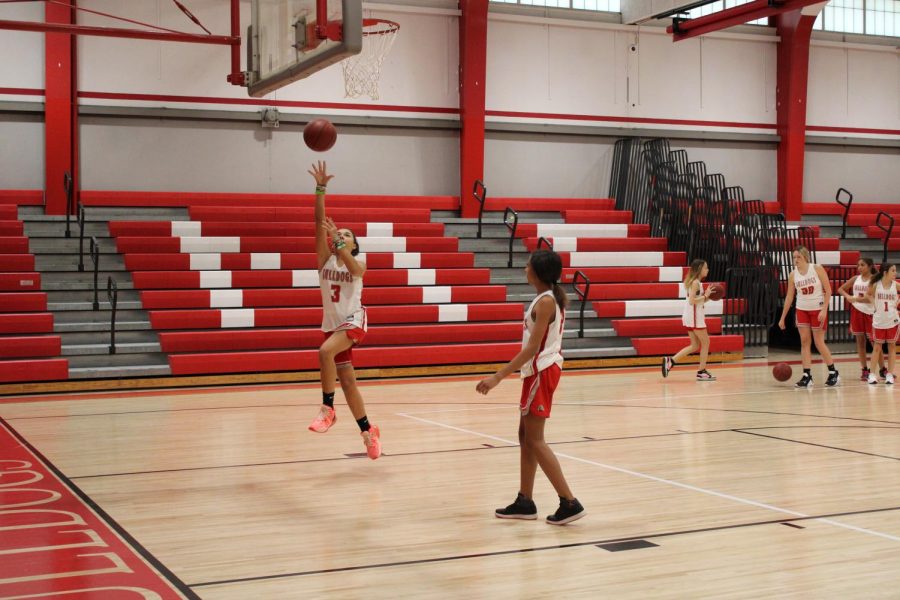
[
  {"x": 312, "y": 316},
  {"x": 20, "y": 282},
  {"x": 23, "y": 302},
  {"x": 128, "y": 244},
  {"x": 621, "y": 259},
  {"x": 857, "y": 208},
  {"x": 245, "y": 261},
  {"x": 251, "y": 229},
  {"x": 52, "y": 369},
  {"x": 9, "y": 212},
  {"x": 549, "y": 204},
  {"x": 14, "y": 263},
  {"x": 598, "y": 216},
  {"x": 363, "y": 357},
  {"x": 14, "y": 245},
  {"x": 30, "y": 346},
  {"x": 659, "y": 327},
  {"x": 657, "y": 346},
  {"x": 292, "y": 214},
  {"x": 659, "y": 307},
  {"x": 582, "y": 230},
  {"x": 601, "y": 244},
  {"x": 26, "y": 323},
  {"x": 272, "y": 339},
  {"x": 627, "y": 274},
  {"x": 11, "y": 228}
]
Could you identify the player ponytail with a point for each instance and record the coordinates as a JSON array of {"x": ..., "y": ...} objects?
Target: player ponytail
[
  {"x": 547, "y": 266},
  {"x": 355, "y": 250},
  {"x": 885, "y": 267},
  {"x": 693, "y": 273}
]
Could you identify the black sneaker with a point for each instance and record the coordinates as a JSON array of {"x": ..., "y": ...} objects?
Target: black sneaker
[
  {"x": 522, "y": 508},
  {"x": 805, "y": 381},
  {"x": 834, "y": 378},
  {"x": 567, "y": 512},
  {"x": 667, "y": 365}
]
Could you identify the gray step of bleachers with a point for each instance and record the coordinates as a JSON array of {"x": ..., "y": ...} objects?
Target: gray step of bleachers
[
  {"x": 98, "y": 336},
  {"x": 49, "y": 263},
  {"x": 118, "y": 371},
  {"x": 70, "y": 246},
  {"x": 84, "y": 280},
  {"x": 101, "y": 348},
  {"x": 87, "y": 295},
  {"x": 99, "y": 326},
  {"x": 57, "y": 229}
]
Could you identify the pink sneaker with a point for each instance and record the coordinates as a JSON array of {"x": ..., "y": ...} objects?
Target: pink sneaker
[
  {"x": 372, "y": 440},
  {"x": 324, "y": 420}
]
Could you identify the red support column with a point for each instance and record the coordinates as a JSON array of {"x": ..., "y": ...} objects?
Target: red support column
[
  {"x": 794, "y": 29},
  {"x": 60, "y": 109},
  {"x": 472, "y": 76}
]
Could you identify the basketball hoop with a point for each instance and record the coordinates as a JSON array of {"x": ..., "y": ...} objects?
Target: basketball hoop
[{"x": 363, "y": 71}]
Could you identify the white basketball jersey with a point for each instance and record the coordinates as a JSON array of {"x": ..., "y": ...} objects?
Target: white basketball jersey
[
  {"x": 885, "y": 315},
  {"x": 810, "y": 295},
  {"x": 694, "y": 315},
  {"x": 341, "y": 297},
  {"x": 860, "y": 289},
  {"x": 550, "y": 351}
]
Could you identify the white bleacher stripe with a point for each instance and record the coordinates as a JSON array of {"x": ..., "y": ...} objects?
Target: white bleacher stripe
[
  {"x": 238, "y": 317},
  {"x": 305, "y": 278},
  {"x": 186, "y": 229},
  {"x": 383, "y": 244},
  {"x": 565, "y": 244},
  {"x": 226, "y": 298},
  {"x": 380, "y": 229},
  {"x": 665, "y": 308},
  {"x": 420, "y": 277},
  {"x": 407, "y": 260},
  {"x": 265, "y": 260},
  {"x": 210, "y": 244},
  {"x": 616, "y": 259},
  {"x": 436, "y": 295},
  {"x": 206, "y": 262},
  {"x": 586, "y": 230},
  {"x": 828, "y": 257},
  {"x": 453, "y": 313},
  {"x": 671, "y": 273},
  {"x": 215, "y": 279}
]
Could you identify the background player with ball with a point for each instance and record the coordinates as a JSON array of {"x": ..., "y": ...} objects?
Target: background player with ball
[{"x": 694, "y": 319}]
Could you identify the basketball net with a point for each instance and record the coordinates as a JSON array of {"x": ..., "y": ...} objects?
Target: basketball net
[{"x": 363, "y": 71}]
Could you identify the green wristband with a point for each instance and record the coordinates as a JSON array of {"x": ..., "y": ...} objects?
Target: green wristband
[{"x": 320, "y": 189}]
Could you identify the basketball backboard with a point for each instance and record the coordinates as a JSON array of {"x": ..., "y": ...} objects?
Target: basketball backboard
[{"x": 289, "y": 39}]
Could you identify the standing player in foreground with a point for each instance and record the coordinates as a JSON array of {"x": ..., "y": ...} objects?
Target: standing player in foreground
[
  {"x": 856, "y": 291},
  {"x": 540, "y": 362},
  {"x": 885, "y": 321},
  {"x": 810, "y": 284},
  {"x": 343, "y": 317},
  {"x": 694, "y": 320}
]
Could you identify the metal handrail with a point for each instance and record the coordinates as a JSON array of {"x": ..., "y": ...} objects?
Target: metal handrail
[
  {"x": 67, "y": 186},
  {"x": 112, "y": 293},
  {"x": 512, "y": 230},
  {"x": 887, "y": 231},
  {"x": 80, "y": 237},
  {"x": 837, "y": 198},
  {"x": 480, "y": 198},
  {"x": 583, "y": 296},
  {"x": 542, "y": 241},
  {"x": 95, "y": 258}
]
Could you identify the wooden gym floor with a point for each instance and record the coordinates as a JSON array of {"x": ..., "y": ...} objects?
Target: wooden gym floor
[{"x": 742, "y": 488}]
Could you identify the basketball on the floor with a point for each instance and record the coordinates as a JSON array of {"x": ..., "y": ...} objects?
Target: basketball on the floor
[
  {"x": 782, "y": 371},
  {"x": 716, "y": 292},
  {"x": 320, "y": 135}
]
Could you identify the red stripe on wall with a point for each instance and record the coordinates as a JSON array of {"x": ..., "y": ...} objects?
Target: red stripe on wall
[{"x": 22, "y": 91}]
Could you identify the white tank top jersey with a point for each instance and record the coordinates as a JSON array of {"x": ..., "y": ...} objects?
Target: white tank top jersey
[
  {"x": 341, "y": 297},
  {"x": 550, "y": 351},
  {"x": 860, "y": 289},
  {"x": 810, "y": 295},
  {"x": 694, "y": 315},
  {"x": 885, "y": 315}
]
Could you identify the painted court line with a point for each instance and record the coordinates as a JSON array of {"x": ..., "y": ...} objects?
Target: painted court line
[{"x": 666, "y": 481}]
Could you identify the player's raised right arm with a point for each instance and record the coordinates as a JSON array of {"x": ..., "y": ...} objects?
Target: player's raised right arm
[{"x": 322, "y": 178}]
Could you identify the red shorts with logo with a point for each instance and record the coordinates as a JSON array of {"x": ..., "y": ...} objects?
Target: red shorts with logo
[
  {"x": 537, "y": 392},
  {"x": 879, "y": 336},
  {"x": 356, "y": 336},
  {"x": 810, "y": 318},
  {"x": 860, "y": 323}
]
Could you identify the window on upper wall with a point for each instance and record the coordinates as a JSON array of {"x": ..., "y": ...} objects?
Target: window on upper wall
[{"x": 597, "y": 5}]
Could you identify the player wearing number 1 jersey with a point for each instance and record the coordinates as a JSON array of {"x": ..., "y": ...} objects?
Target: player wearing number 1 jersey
[
  {"x": 885, "y": 320},
  {"x": 810, "y": 284},
  {"x": 343, "y": 318}
]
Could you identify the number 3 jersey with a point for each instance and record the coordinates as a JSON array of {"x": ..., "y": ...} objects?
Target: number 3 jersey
[
  {"x": 810, "y": 294},
  {"x": 341, "y": 297}
]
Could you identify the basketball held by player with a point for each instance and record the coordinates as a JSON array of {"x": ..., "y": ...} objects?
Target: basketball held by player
[
  {"x": 540, "y": 364},
  {"x": 694, "y": 320},
  {"x": 855, "y": 292},
  {"x": 885, "y": 320},
  {"x": 809, "y": 283},
  {"x": 343, "y": 317}
]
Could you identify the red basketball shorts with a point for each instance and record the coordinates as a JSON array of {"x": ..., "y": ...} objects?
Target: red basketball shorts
[{"x": 537, "y": 392}]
